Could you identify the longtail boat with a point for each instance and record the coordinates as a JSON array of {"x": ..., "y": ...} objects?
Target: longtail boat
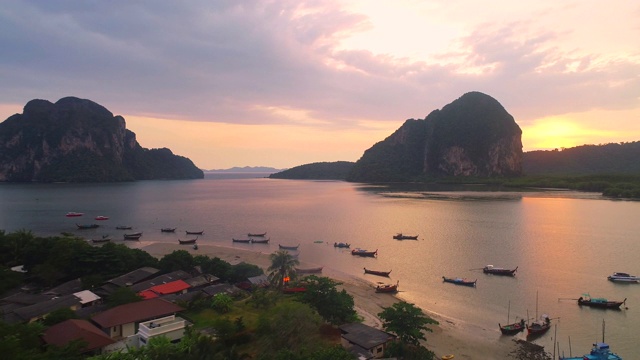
[
  {"x": 379, "y": 273},
  {"x": 601, "y": 303},
  {"x": 260, "y": 241},
  {"x": 362, "y": 252},
  {"x": 513, "y": 328},
  {"x": 257, "y": 234},
  {"x": 188, "y": 241},
  {"x": 87, "y": 226},
  {"x": 490, "y": 269},
  {"x": 459, "y": 281},
  {"x": 133, "y": 236},
  {"x": 195, "y": 232},
  {"x": 287, "y": 247},
  {"x": 246, "y": 241},
  {"x": 401, "y": 236},
  {"x": 168, "y": 230},
  {"x": 387, "y": 288},
  {"x": 341, "y": 245}
]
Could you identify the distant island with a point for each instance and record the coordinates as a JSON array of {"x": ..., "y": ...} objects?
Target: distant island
[
  {"x": 78, "y": 140},
  {"x": 246, "y": 169}
]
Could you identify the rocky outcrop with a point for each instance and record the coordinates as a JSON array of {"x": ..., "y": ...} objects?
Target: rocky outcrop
[
  {"x": 79, "y": 140},
  {"x": 472, "y": 136}
]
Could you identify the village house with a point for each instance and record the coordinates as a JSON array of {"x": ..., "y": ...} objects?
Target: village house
[
  {"x": 67, "y": 331},
  {"x": 365, "y": 341}
]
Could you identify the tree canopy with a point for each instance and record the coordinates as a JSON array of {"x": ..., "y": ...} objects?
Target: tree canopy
[{"x": 406, "y": 321}]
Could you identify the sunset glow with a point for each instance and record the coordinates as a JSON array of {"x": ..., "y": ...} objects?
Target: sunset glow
[{"x": 293, "y": 82}]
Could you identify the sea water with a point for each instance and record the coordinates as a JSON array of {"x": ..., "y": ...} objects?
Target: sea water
[{"x": 564, "y": 243}]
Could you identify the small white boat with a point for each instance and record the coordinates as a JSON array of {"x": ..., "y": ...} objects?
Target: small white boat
[{"x": 623, "y": 277}]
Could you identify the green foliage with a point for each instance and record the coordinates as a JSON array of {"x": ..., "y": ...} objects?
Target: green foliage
[
  {"x": 406, "y": 321},
  {"x": 317, "y": 171},
  {"x": 262, "y": 298},
  {"x": 177, "y": 260},
  {"x": 58, "y": 316},
  {"x": 121, "y": 296},
  {"x": 409, "y": 352},
  {"x": 282, "y": 265},
  {"x": 335, "y": 307},
  {"x": 242, "y": 271},
  {"x": 288, "y": 325},
  {"x": 222, "y": 303}
]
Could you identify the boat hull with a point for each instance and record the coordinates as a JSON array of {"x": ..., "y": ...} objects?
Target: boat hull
[
  {"x": 458, "y": 281},
  {"x": 378, "y": 273}
]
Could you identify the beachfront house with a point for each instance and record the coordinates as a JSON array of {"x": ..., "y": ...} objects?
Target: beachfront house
[
  {"x": 174, "y": 287},
  {"x": 122, "y": 321},
  {"x": 365, "y": 341}
]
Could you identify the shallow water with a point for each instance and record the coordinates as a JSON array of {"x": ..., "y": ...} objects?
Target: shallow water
[{"x": 563, "y": 243}]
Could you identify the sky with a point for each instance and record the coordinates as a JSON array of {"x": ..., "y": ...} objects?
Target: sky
[{"x": 291, "y": 82}]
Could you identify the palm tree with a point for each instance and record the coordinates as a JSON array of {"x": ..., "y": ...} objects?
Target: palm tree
[{"x": 282, "y": 265}]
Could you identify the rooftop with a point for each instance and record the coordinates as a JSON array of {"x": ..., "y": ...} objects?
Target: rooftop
[
  {"x": 63, "y": 333},
  {"x": 136, "y": 312}
]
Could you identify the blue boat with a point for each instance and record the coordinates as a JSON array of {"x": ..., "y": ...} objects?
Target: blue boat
[
  {"x": 459, "y": 281},
  {"x": 600, "y": 351}
]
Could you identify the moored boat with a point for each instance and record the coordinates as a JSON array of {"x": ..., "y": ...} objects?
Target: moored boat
[
  {"x": 73, "y": 214},
  {"x": 133, "y": 236},
  {"x": 123, "y": 227},
  {"x": 195, "y": 232},
  {"x": 623, "y": 277},
  {"x": 401, "y": 236},
  {"x": 600, "y": 351},
  {"x": 104, "y": 238},
  {"x": 539, "y": 326},
  {"x": 460, "y": 281},
  {"x": 246, "y": 241},
  {"x": 287, "y": 247},
  {"x": 341, "y": 245},
  {"x": 168, "y": 230},
  {"x": 101, "y": 217},
  {"x": 379, "y": 273},
  {"x": 490, "y": 269},
  {"x": 87, "y": 226},
  {"x": 187, "y": 241},
  {"x": 260, "y": 241},
  {"x": 512, "y": 329},
  {"x": 314, "y": 270},
  {"x": 257, "y": 234},
  {"x": 362, "y": 252},
  {"x": 387, "y": 288},
  {"x": 600, "y": 303}
]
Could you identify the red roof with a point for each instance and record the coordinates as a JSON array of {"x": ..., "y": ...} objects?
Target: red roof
[
  {"x": 136, "y": 312},
  {"x": 63, "y": 333},
  {"x": 170, "y": 287},
  {"x": 148, "y": 294}
]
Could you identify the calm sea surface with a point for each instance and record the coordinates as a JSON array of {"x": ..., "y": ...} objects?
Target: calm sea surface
[{"x": 564, "y": 243}]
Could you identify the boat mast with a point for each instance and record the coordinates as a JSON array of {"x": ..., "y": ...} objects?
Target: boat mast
[{"x": 508, "y": 312}]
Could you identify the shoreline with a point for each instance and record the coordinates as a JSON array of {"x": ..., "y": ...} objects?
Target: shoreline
[{"x": 463, "y": 340}]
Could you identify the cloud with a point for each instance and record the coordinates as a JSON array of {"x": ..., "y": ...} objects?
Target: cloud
[{"x": 240, "y": 61}]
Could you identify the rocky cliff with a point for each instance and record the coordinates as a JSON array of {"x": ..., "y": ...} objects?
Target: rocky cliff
[
  {"x": 472, "y": 136},
  {"x": 79, "y": 140}
]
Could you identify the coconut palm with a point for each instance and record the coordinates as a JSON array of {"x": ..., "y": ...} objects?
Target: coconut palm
[{"x": 282, "y": 265}]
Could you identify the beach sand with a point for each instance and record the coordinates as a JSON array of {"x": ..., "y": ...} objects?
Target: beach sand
[{"x": 464, "y": 341}]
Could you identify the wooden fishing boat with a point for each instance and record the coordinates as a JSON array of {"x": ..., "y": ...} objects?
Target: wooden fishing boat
[
  {"x": 600, "y": 303},
  {"x": 459, "y": 281},
  {"x": 623, "y": 278},
  {"x": 490, "y": 269},
  {"x": 379, "y": 273},
  {"x": 87, "y": 226},
  {"x": 600, "y": 351},
  {"x": 195, "y": 232},
  {"x": 168, "y": 230},
  {"x": 187, "y": 241},
  {"x": 341, "y": 245},
  {"x": 101, "y": 217},
  {"x": 246, "y": 241},
  {"x": 362, "y": 252},
  {"x": 387, "y": 288},
  {"x": 73, "y": 214},
  {"x": 540, "y": 326},
  {"x": 133, "y": 236},
  {"x": 401, "y": 236},
  {"x": 103, "y": 239},
  {"x": 513, "y": 328},
  {"x": 257, "y": 234},
  {"x": 314, "y": 270},
  {"x": 260, "y": 241},
  {"x": 123, "y": 227},
  {"x": 287, "y": 247}
]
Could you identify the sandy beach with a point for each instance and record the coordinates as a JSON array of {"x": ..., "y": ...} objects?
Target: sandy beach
[{"x": 464, "y": 341}]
